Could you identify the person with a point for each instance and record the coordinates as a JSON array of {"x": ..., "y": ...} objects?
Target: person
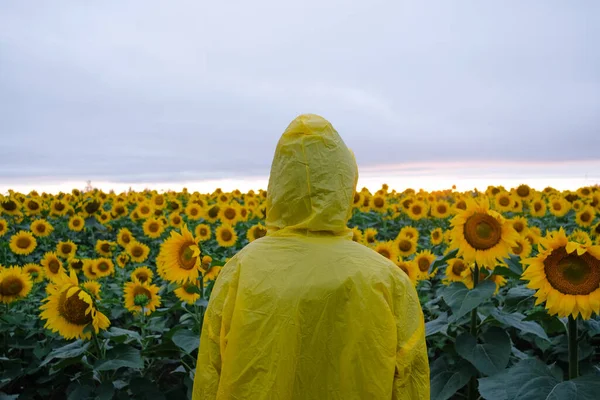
[{"x": 305, "y": 312}]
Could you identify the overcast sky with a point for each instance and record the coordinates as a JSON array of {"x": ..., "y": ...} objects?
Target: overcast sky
[{"x": 170, "y": 90}]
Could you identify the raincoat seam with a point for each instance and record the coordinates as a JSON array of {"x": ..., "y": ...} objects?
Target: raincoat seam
[{"x": 307, "y": 179}]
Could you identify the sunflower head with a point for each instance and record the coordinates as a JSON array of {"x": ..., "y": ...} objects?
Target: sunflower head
[
  {"x": 3, "y": 227},
  {"x": 141, "y": 297},
  {"x": 179, "y": 257},
  {"x": 15, "y": 284},
  {"x": 66, "y": 249},
  {"x": 410, "y": 268},
  {"x": 104, "y": 267},
  {"x": 256, "y": 232},
  {"x": 41, "y": 228},
  {"x": 142, "y": 274},
  {"x": 437, "y": 236},
  {"x": 23, "y": 243},
  {"x": 386, "y": 249},
  {"x": 424, "y": 259},
  {"x": 226, "y": 236},
  {"x": 566, "y": 276},
  {"x": 35, "y": 272},
  {"x": 138, "y": 252},
  {"x": 76, "y": 223},
  {"x": 203, "y": 232}
]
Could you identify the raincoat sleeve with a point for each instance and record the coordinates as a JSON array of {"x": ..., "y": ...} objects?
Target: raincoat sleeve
[
  {"x": 411, "y": 379},
  {"x": 214, "y": 333}
]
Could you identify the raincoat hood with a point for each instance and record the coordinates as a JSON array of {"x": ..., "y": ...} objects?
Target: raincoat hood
[{"x": 312, "y": 181}]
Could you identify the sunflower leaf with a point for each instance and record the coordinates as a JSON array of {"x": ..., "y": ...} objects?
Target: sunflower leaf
[
  {"x": 71, "y": 350},
  {"x": 121, "y": 355},
  {"x": 186, "y": 340},
  {"x": 490, "y": 357},
  {"x": 447, "y": 382},
  {"x": 462, "y": 300},
  {"x": 437, "y": 325},
  {"x": 516, "y": 320},
  {"x": 441, "y": 261}
]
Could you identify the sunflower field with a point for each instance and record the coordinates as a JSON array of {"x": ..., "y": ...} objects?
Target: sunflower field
[{"x": 102, "y": 295}]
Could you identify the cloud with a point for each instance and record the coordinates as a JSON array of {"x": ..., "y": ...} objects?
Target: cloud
[{"x": 149, "y": 91}]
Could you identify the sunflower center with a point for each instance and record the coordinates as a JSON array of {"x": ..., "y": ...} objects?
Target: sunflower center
[
  {"x": 23, "y": 242},
  {"x": 137, "y": 251},
  {"x": 59, "y": 206},
  {"x": 66, "y": 248},
  {"x": 435, "y": 235},
  {"x": 125, "y": 238},
  {"x": 33, "y": 205},
  {"x": 77, "y": 265},
  {"x": 423, "y": 264},
  {"x": 73, "y": 308},
  {"x": 417, "y": 209},
  {"x": 585, "y": 217},
  {"x": 54, "y": 266},
  {"x": 378, "y": 202},
  {"x": 537, "y": 206},
  {"x": 203, "y": 231},
  {"x": 11, "y": 286},
  {"x": 405, "y": 245},
  {"x": 92, "y": 207},
  {"x": 523, "y": 190},
  {"x": 557, "y": 206},
  {"x": 461, "y": 205},
  {"x": 176, "y": 220},
  {"x": 259, "y": 232},
  {"x": 229, "y": 213},
  {"x": 103, "y": 266},
  {"x": 226, "y": 235},
  {"x": 153, "y": 227},
  {"x": 458, "y": 267},
  {"x": 159, "y": 200},
  {"x": 442, "y": 209},
  {"x": 370, "y": 238},
  {"x": 356, "y": 198},
  {"x": 504, "y": 201},
  {"x": 385, "y": 253},
  {"x": 482, "y": 231},
  {"x": 142, "y": 276},
  {"x": 518, "y": 249},
  {"x": 213, "y": 211},
  {"x": 518, "y": 225},
  {"x": 571, "y": 273},
  {"x": 76, "y": 223},
  {"x": 187, "y": 260},
  {"x": 404, "y": 268},
  {"x": 105, "y": 247},
  {"x": 41, "y": 228},
  {"x": 9, "y": 205},
  {"x": 194, "y": 212},
  {"x": 145, "y": 210},
  {"x": 189, "y": 288}
]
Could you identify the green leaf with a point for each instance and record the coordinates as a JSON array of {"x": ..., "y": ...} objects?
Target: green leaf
[
  {"x": 186, "y": 340},
  {"x": 516, "y": 320},
  {"x": 446, "y": 383},
  {"x": 105, "y": 391},
  {"x": 80, "y": 392},
  {"x": 71, "y": 350},
  {"x": 506, "y": 272},
  {"x": 124, "y": 334},
  {"x": 143, "y": 388},
  {"x": 440, "y": 324},
  {"x": 592, "y": 327},
  {"x": 441, "y": 261},
  {"x": 462, "y": 300},
  {"x": 121, "y": 355},
  {"x": 514, "y": 264},
  {"x": 490, "y": 357}
]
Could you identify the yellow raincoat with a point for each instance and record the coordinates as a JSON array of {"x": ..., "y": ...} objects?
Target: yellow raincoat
[{"x": 305, "y": 312}]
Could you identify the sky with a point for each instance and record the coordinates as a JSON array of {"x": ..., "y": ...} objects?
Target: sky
[{"x": 157, "y": 93}]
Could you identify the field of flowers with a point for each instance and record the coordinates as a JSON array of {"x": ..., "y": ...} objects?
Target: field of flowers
[{"x": 102, "y": 295}]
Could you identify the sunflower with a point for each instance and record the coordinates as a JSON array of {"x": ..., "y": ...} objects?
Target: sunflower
[
  {"x": 141, "y": 296},
  {"x": 144, "y": 210},
  {"x": 3, "y": 227},
  {"x": 595, "y": 230},
  {"x": 441, "y": 209},
  {"x": 33, "y": 206},
  {"x": 410, "y": 268},
  {"x": 566, "y": 276},
  {"x": 369, "y": 236},
  {"x": 577, "y": 205},
  {"x": 75, "y": 264},
  {"x": 524, "y": 192},
  {"x": 35, "y": 272},
  {"x": 519, "y": 224},
  {"x": 580, "y": 237},
  {"x": 138, "y": 251},
  {"x": 175, "y": 220},
  {"x": 103, "y": 217},
  {"x": 256, "y": 232},
  {"x": 158, "y": 201},
  {"x": 41, "y": 228},
  {"x": 437, "y": 236},
  {"x": 386, "y": 249},
  {"x": 203, "y": 232},
  {"x": 404, "y": 246},
  {"x": 586, "y": 216},
  {"x": 93, "y": 288},
  {"x": 212, "y": 214},
  {"x": 424, "y": 259},
  {"x": 417, "y": 210},
  {"x": 229, "y": 214},
  {"x": 538, "y": 207},
  {"x": 205, "y": 262},
  {"x": 497, "y": 279},
  {"x": 142, "y": 274},
  {"x": 409, "y": 232},
  {"x": 153, "y": 228},
  {"x": 503, "y": 202},
  {"x": 124, "y": 237},
  {"x": 122, "y": 259},
  {"x": 559, "y": 206},
  {"x": 174, "y": 205},
  {"x": 212, "y": 273},
  {"x": 69, "y": 309},
  {"x": 90, "y": 206},
  {"x": 179, "y": 257},
  {"x": 104, "y": 267},
  {"x": 89, "y": 269},
  {"x": 482, "y": 235},
  {"x": 456, "y": 271},
  {"x": 357, "y": 235},
  {"x": 244, "y": 213},
  {"x": 59, "y": 207},
  {"x": 15, "y": 284},
  {"x": 522, "y": 247},
  {"x": 188, "y": 292},
  {"x": 226, "y": 236},
  {"x": 52, "y": 265},
  {"x": 66, "y": 249},
  {"x": 193, "y": 211},
  {"x": 9, "y": 206},
  {"x": 23, "y": 243},
  {"x": 105, "y": 247},
  {"x": 379, "y": 203}
]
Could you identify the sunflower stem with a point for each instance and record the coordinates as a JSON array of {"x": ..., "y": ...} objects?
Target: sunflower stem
[
  {"x": 573, "y": 356},
  {"x": 473, "y": 395}
]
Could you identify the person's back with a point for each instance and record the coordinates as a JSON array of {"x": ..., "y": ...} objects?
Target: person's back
[{"x": 305, "y": 312}]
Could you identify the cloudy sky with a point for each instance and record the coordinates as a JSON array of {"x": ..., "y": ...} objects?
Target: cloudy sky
[{"x": 157, "y": 91}]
